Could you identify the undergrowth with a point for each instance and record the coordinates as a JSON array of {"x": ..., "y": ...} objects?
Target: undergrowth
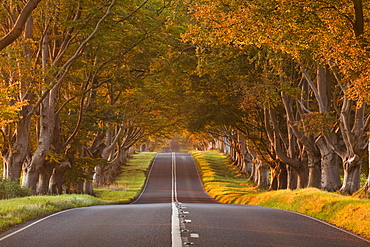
[{"x": 10, "y": 189}]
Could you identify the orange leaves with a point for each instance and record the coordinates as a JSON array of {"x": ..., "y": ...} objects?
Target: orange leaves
[
  {"x": 9, "y": 106},
  {"x": 359, "y": 90},
  {"x": 309, "y": 31}
]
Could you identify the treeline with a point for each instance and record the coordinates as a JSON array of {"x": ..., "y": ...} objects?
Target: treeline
[
  {"x": 71, "y": 103},
  {"x": 284, "y": 83}
]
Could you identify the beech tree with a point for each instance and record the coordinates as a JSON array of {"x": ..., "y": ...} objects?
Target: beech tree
[
  {"x": 15, "y": 25},
  {"x": 73, "y": 79},
  {"x": 282, "y": 84},
  {"x": 306, "y": 31}
]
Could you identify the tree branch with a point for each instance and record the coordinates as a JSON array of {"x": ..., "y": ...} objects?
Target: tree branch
[
  {"x": 18, "y": 27},
  {"x": 314, "y": 89},
  {"x": 133, "y": 12}
]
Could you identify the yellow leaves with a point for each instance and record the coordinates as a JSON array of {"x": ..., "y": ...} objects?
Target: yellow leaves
[
  {"x": 55, "y": 157},
  {"x": 9, "y": 106}
]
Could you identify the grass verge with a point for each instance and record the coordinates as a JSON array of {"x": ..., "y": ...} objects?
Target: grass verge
[
  {"x": 223, "y": 183},
  {"x": 128, "y": 186},
  {"x": 17, "y": 210}
]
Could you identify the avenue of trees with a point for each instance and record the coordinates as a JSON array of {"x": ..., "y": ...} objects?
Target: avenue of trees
[
  {"x": 283, "y": 86},
  {"x": 68, "y": 73},
  {"x": 293, "y": 77}
]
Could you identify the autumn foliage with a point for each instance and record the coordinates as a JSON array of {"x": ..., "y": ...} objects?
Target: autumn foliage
[{"x": 282, "y": 86}]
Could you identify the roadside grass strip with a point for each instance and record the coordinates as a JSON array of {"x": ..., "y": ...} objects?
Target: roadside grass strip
[
  {"x": 130, "y": 182},
  {"x": 127, "y": 187},
  {"x": 17, "y": 210},
  {"x": 222, "y": 181}
]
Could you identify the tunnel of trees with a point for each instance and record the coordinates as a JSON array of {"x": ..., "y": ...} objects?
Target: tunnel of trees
[{"x": 280, "y": 85}]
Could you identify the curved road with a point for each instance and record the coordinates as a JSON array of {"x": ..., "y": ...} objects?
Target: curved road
[{"x": 174, "y": 210}]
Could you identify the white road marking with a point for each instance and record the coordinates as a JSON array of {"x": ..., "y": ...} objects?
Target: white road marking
[
  {"x": 34, "y": 223},
  {"x": 175, "y": 231},
  {"x": 175, "y": 221}
]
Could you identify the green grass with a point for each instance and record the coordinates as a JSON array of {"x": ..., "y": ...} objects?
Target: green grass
[
  {"x": 223, "y": 183},
  {"x": 128, "y": 186},
  {"x": 17, "y": 210}
]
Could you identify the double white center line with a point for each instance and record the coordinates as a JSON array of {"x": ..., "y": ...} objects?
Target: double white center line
[{"x": 175, "y": 225}]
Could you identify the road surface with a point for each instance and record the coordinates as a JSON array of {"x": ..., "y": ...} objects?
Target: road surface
[{"x": 174, "y": 210}]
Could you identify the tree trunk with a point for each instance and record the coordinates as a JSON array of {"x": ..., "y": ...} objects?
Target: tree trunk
[
  {"x": 13, "y": 160},
  {"x": 352, "y": 170},
  {"x": 57, "y": 178},
  {"x": 314, "y": 170},
  {"x": 274, "y": 178},
  {"x": 366, "y": 188},
  {"x": 88, "y": 188},
  {"x": 143, "y": 147},
  {"x": 98, "y": 176},
  {"x": 279, "y": 177},
  {"x": 253, "y": 176},
  {"x": 16, "y": 153},
  {"x": 44, "y": 178},
  {"x": 247, "y": 164},
  {"x": 330, "y": 177},
  {"x": 47, "y": 121},
  {"x": 88, "y": 185},
  {"x": 14, "y": 157},
  {"x": 263, "y": 175},
  {"x": 31, "y": 177},
  {"x": 302, "y": 177},
  {"x": 292, "y": 178},
  {"x": 32, "y": 169}
]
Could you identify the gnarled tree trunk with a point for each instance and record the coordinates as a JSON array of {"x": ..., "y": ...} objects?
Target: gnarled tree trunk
[
  {"x": 57, "y": 178},
  {"x": 352, "y": 171},
  {"x": 329, "y": 167},
  {"x": 15, "y": 155},
  {"x": 47, "y": 120}
]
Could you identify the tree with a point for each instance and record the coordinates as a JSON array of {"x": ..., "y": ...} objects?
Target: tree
[
  {"x": 68, "y": 77},
  {"x": 306, "y": 31},
  {"x": 20, "y": 22}
]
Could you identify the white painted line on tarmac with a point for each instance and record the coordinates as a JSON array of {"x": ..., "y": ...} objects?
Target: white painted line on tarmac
[
  {"x": 175, "y": 221},
  {"x": 175, "y": 227},
  {"x": 174, "y": 179},
  {"x": 34, "y": 223}
]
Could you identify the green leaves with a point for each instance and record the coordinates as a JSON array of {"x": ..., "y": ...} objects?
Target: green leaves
[{"x": 317, "y": 123}]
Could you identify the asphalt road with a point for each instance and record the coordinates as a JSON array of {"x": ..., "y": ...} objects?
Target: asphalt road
[{"x": 174, "y": 210}]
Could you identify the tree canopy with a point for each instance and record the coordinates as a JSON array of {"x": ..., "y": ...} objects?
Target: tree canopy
[{"x": 281, "y": 85}]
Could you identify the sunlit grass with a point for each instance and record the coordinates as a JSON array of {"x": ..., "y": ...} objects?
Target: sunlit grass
[
  {"x": 224, "y": 184},
  {"x": 17, "y": 210},
  {"x": 129, "y": 184}
]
